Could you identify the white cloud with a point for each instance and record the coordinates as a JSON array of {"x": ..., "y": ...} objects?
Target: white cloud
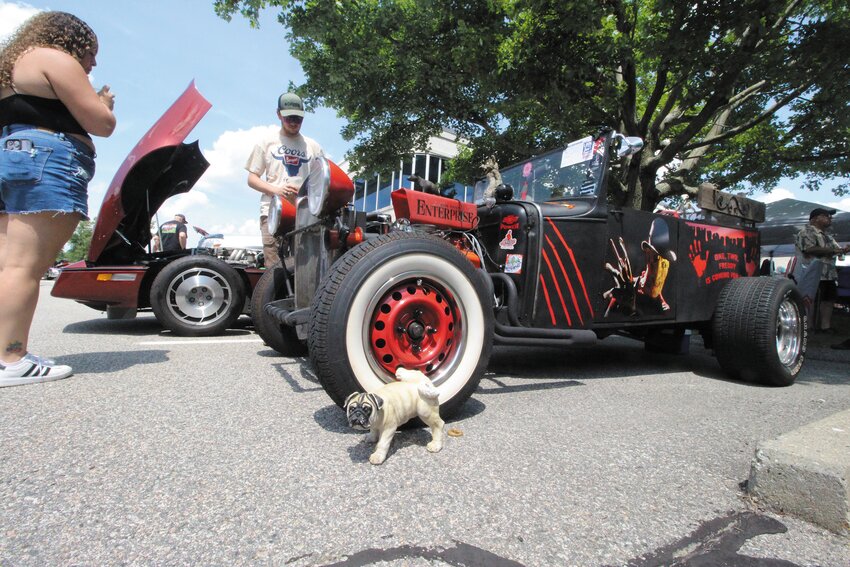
[
  {"x": 775, "y": 195},
  {"x": 228, "y": 156},
  {"x": 12, "y": 15},
  {"x": 841, "y": 205},
  {"x": 183, "y": 203},
  {"x": 249, "y": 227}
]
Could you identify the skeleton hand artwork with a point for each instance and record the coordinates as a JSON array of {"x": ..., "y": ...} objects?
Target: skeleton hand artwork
[{"x": 623, "y": 293}]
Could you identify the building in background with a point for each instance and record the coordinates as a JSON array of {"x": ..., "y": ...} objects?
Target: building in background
[{"x": 372, "y": 192}]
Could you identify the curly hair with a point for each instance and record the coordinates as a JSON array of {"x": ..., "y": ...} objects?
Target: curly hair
[{"x": 59, "y": 30}]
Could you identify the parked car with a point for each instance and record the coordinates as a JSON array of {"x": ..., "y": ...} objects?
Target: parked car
[
  {"x": 544, "y": 260},
  {"x": 192, "y": 292},
  {"x": 233, "y": 248},
  {"x": 52, "y": 273}
]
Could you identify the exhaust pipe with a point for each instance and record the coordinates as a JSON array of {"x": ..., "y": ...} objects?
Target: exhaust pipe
[{"x": 518, "y": 335}]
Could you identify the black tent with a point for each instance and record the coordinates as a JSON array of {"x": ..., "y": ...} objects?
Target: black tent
[{"x": 784, "y": 218}]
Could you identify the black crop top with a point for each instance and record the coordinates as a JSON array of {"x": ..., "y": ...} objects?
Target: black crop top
[{"x": 38, "y": 111}]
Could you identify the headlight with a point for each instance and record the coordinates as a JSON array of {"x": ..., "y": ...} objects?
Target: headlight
[
  {"x": 318, "y": 183},
  {"x": 281, "y": 216},
  {"x": 328, "y": 188},
  {"x": 274, "y": 214}
]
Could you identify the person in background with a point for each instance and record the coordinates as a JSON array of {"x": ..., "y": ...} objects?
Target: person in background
[
  {"x": 284, "y": 161},
  {"x": 48, "y": 113},
  {"x": 814, "y": 242},
  {"x": 172, "y": 235}
]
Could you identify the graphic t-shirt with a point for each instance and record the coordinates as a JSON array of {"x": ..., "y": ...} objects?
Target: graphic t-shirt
[
  {"x": 284, "y": 160},
  {"x": 170, "y": 235}
]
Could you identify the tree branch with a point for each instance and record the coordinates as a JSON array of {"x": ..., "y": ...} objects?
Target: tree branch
[
  {"x": 690, "y": 162},
  {"x": 732, "y": 132},
  {"x": 660, "y": 122},
  {"x": 745, "y": 94}
]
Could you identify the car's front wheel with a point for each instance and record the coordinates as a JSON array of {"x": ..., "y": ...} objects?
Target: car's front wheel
[
  {"x": 402, "y": 300},
  {"x": 274, "y": 284},
  {"x": 197, "y": 296}
]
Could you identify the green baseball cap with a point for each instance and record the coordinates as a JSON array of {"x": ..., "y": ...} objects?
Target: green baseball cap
[{"x": 290, "y": 104}]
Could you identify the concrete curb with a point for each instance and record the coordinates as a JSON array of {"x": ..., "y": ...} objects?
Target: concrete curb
[{"x": 806, "y": 473}]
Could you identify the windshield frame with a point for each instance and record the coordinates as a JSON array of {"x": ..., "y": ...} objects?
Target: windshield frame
[{"x": 574, "y": 172}]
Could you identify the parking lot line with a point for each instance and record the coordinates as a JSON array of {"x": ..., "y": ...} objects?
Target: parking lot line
[{"x": 200, "y": 341}]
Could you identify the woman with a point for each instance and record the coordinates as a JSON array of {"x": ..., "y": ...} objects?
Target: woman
[{"x": 48, "y": 112}]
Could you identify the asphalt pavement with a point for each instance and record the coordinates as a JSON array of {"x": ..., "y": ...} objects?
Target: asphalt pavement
[{"x": 163, "y": 450}]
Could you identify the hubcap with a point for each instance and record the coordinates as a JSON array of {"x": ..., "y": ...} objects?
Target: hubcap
[
  {"x": 199, "y": 296},
  {"x": 789, "y": 333},
  {"x": 414, "y": 324}
]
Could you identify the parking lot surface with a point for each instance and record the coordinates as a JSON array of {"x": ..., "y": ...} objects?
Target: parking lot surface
[{"x": 215, "y": 451}]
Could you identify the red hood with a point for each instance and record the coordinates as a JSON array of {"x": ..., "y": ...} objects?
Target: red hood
[{"x": 159, "y": 167}]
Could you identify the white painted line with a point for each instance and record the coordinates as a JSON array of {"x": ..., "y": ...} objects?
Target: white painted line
[{"x": 201, "y": 342}]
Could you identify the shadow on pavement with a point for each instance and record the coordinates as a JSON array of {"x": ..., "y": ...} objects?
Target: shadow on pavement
[
  {"x": 111, "y": 361},
  {"x": 144, "y": 325}
]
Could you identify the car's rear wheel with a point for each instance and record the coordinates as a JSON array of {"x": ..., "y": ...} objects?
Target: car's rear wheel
[
  {"x": 402, "y": 300},
  {"x": 197, "y": 296},
  {"x": 272, "y": 286},
  {"x": 759, "y": 330}
]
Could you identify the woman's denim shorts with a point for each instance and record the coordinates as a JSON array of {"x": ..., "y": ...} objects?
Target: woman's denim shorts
[{"x": 43, "y": 171}]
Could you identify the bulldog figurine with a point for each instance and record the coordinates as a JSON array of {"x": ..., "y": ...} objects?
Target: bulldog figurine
[{"x": 392, "y": 405}]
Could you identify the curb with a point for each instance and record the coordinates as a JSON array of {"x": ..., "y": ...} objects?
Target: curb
[{"x": 806, "y": 473}]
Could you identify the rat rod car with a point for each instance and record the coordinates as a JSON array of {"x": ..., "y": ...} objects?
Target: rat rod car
[
  {"x": 192, "y": 292},
  {"x": 558, "y": 266}
]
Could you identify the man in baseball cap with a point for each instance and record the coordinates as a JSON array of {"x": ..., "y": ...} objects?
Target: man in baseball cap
[
  {"x": 813, "y": 242},
  {"x": 290, "y": 104},
  {"x": 278, "y": 166},
  {"x": 819, "y": 211},
  {"x": 172, "y": 235}
]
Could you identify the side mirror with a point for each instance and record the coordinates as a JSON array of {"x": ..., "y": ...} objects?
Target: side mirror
[{"x": 629, "y": 145}]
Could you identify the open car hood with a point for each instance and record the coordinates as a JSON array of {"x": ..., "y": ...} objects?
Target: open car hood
[{"x": 159, "y": 167}]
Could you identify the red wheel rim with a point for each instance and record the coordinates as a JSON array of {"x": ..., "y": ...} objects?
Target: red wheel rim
[{"x": 414, "y": 325}]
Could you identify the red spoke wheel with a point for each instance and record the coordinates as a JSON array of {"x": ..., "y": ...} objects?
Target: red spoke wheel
[
  {"x": 402, "y": 299},
  {"x": 414, "y": 326}
]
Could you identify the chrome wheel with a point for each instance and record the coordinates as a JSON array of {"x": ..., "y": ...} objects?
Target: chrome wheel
[
  {"x": 789, "y": 333},
  {"x": 199, "y": 296}
]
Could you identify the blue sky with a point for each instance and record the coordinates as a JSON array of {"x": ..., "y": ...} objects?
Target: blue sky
[{"x": 150, "y": 50}]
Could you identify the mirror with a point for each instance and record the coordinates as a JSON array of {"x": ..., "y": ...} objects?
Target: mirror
[{"x": 629, "y": 145}]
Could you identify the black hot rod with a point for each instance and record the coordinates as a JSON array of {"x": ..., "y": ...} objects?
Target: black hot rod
[{"x": 543, "y": 260}]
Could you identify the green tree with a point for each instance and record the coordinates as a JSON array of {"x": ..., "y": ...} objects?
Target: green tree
[
  {"x": 736, "y": 93},
  {"x": 78, "y": 246}
]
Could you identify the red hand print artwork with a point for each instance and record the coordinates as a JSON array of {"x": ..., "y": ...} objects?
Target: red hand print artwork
[{"x": 698, "y": 256}]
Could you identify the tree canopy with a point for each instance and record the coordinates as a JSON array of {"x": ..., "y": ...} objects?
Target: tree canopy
[
  {"x": 78, "y": 245},
  {"x": 734, "y": 93}
]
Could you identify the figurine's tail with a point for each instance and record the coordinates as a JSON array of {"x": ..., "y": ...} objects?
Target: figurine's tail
[{"x": 427, "y": 390}]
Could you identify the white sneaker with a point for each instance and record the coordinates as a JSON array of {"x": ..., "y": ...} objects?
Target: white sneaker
[{"x": 32, "y": 369}]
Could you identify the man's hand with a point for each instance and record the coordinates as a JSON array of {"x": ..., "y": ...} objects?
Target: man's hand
[{"x": 287, "y": 190}]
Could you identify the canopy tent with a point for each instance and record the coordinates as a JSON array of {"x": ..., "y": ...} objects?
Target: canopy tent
[{"x": 783, "y": 220}]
